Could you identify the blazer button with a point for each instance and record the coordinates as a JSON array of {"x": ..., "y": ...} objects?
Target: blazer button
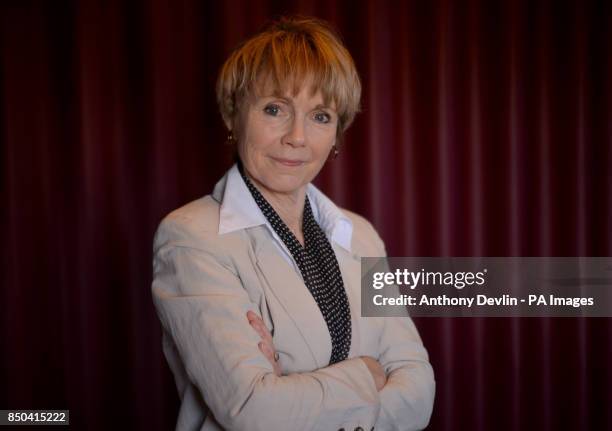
[
  {"x": 358, "y": 429},
  {"x": 341, "y": 429}
]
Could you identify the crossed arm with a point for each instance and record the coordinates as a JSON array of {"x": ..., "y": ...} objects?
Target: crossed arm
[
  {"x": 393, "y": 414},
  {"x": 202, "y": 304},
  {"x": 266, "y": 346}
]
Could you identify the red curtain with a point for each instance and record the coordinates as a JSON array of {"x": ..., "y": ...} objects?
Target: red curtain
[{"x": 486, "y": 130}]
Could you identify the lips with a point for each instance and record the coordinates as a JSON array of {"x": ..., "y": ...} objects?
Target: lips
[{"x": 288, "y": 162}]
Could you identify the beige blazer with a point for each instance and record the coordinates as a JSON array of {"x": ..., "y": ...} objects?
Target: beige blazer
[{"x": 204, "y": 284}]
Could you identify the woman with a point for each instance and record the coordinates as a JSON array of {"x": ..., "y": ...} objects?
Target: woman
[{"x": 257, "y": 286}]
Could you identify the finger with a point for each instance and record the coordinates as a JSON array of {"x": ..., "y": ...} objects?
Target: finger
[
  {"x": 251, "y": 316},
  {"x": 268, "y": 350},
  {"x": 277, "y": 369},
  {"x": 262, "y": 348},
  {"x": 254, "y": 319},
  {"x": 267, "y": 335},
  {"x": 262, "y": 330},
  {"x": 272, "y": 354},
  {"x": 256, "y": 322},
  {"x": 258, "y": 329},
  {"x": 265, "y": 349},
  {"x": 256, "y": 326}
]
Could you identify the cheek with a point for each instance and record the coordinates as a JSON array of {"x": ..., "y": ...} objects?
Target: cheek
[
  {"x": 258, "y": 137},
  {"x": 247, "y": 147},
  {"x": 322, "y": 143}
]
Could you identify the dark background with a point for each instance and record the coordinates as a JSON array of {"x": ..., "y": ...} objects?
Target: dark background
[{"x": 486, "y": 131}]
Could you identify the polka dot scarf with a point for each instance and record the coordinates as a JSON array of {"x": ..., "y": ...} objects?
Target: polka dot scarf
[{"x": 320, "y": 271}]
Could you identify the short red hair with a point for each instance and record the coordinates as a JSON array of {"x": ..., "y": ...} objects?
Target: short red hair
[{"x": 286, "y": 54}]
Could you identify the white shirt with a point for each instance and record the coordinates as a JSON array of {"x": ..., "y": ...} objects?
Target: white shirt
[{"x": 240, "y": 211}]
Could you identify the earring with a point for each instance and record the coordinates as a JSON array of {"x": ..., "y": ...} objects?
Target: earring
[
  {"x": 335, "y": 152},
  {"x": 230, "y": 140}
]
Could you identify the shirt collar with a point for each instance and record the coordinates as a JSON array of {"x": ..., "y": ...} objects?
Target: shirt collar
[{"x": 240, "y": 211}]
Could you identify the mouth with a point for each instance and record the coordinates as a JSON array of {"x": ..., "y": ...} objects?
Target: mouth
[{"x": 288, "y": 162}]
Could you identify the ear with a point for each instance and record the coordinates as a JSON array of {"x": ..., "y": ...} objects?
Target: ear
[{"x": 228, "y": 123}]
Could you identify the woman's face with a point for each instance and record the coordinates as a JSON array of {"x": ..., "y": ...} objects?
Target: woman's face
[{"x": 283, "y": 142}]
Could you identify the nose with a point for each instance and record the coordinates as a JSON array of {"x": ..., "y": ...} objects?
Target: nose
[{"x": 295, "y": 135}]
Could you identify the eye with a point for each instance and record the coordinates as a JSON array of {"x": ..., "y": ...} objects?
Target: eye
[
  {"x": 272, "y": 109},
  {"x": 322, "y": 117}
]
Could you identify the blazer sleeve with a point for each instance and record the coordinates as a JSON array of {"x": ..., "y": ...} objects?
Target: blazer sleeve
[
  {"x": 406, "y": 400},
  {"x": 202, "y": 305}
]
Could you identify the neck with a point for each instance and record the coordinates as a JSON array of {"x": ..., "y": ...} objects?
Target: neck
[{"x": 289, "y": 206}]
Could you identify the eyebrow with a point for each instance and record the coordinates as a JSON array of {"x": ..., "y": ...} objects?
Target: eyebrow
[
  {"x": 288, "y": 100},
  {"x": 321, "y": 106}
]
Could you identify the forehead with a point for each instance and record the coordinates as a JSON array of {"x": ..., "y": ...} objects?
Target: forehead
[{"x": 293, "y": 88}]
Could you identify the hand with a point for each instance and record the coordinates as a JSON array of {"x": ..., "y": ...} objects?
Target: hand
[
  {"x": 265, "y": 345},
  {"x": 380, "y": 378}
]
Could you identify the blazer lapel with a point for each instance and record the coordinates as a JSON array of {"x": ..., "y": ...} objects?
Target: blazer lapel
[{"x": 290, "y": 291}]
